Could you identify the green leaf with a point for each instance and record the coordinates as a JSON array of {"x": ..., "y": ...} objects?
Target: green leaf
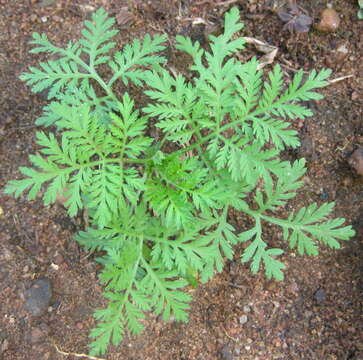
[
  {"x": 310, "y": 225},
  {"x": 166, "y": 298},
  {"x": 97, "y": 35},
  {"x": 256, "y": 252},
  {"x": 170, "y": 189},
  {"x": 287, "y": 184},
  {"x": 136, "y": 54},
  {"x": 104, "y": 190}
]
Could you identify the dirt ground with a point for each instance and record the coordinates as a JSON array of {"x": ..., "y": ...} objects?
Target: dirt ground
[{"x": 315, "y": 314}]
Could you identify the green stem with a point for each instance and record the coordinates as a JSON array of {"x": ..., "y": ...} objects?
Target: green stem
[
  {"x": 199, "y": 149},
  {"x": 127, "y": 66},
  {"x": 168, "y": 181},
  {"x": 225, "y": 127},
  {"x": 104, "y": 86},
  {"x": 277, "y": 221},
  {"x": 110, "y": 161},
  {"x": 91, "y": 72},
  {"x": 163, "y": 141}
]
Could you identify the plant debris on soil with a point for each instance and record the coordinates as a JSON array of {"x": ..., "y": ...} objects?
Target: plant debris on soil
[
  {"x": 294, "y": 17},
  {"x": 315, "y": 314}
]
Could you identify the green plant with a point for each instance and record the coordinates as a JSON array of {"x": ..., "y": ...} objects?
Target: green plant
[
  {"x": 360, "y": 11},
  {"x": 159, "y": 207}
]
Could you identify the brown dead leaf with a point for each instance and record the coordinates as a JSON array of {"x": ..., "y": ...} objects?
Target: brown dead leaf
[{"x": 270, "y": 51}]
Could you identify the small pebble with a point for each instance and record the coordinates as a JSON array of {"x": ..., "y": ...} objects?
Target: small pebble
[
  {"x": 57, "y": 18},
  {"x": 320, "y": 296},
  {"x": 356, "y": 161},
  {"x": 246, "y": 309},
  {"x": 58, "y": 259},
  {"x": 329, "y": 21},
  {"x": 355, "y": 95},
  {"x": 243, "y": 319},
  {"x": 55, "y": 267},
  {"x": 38, "y": 297},
  {"x": 87, "y": 8},
  {"x": 337, "y": 56},
  {"x": 342, "y": 52},
  {"x": 79, "y": 326},
  {"x": 324, "y": 196}
]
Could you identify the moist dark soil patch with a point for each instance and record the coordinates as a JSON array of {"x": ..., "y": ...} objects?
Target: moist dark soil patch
[{"x": 316, "y": 313}]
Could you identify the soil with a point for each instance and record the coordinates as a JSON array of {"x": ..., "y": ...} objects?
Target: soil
[{"x": 315, "y": 313}]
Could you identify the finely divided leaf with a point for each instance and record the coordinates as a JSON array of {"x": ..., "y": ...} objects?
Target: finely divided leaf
[
  {"x": 159, "y": 208},
  {"x": 309, "y": 225},
  {"x": 136, "y": 54},
  {"x": 97, "y": 35}
]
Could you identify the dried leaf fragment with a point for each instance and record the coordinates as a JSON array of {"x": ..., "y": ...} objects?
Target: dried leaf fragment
[
  {"x": 124, "y": 18},
  {"x": 270, "y": 51},
  {"x": 295, "y": 17}
]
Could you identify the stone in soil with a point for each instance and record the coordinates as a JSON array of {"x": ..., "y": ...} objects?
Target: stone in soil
[
  {"x": 38, "y": 297},
  {"x": 356, "y": 161},
  {"x": 329, "y": 21},
  {"x": 243, "y": 319},
  {"x": 320, "y": 296}
]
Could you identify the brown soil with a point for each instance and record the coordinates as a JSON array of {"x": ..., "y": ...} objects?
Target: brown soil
[{"x": 285, "y": 320}]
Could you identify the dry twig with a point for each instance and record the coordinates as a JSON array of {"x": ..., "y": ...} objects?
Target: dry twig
[
  {"x": 76, "y": 354},
  {"x": 339, "y": 79}
]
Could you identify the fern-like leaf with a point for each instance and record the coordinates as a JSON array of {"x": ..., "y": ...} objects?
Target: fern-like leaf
[
  {"x": 256, "y": 252},
  {"x": 159, "y": 208},
  {"x": 136, "y": 54},
  {"x": 310, "y": 224},
  {"x": 97, "y": 35}
]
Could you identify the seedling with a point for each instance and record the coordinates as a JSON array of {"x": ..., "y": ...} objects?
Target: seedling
[{"x": 159, "y": 207}]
